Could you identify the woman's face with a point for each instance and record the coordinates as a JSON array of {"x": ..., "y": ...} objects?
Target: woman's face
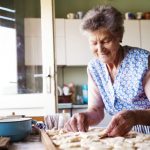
[{"x": 104, "y": 45}]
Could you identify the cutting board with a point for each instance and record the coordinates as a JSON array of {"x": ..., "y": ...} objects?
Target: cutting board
[{"x": 4, "y": 142}]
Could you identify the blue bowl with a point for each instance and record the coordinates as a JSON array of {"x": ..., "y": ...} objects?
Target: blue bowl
[{"x": 17, "y": 129}]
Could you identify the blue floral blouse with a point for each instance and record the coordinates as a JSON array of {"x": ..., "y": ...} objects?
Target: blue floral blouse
[{"x": 127, "y": 91}]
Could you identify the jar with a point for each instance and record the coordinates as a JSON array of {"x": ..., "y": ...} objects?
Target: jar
[{"x": 146, "y": 15}]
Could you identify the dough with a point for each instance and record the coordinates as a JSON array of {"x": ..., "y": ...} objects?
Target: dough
[{"x": 92, "y": 140}]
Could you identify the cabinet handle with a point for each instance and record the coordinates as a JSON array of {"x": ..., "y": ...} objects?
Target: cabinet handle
[{"x": 48, "y": 84}]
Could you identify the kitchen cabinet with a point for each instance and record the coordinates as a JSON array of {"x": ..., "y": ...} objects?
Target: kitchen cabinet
[
  {"x": 145, "y": 34},
  {"x": 77, "y": 47},
  {"x": 137, "y": 33},
  {"x": 72, "y": 47},
  {"x": 60, "y": 41},
  {"x": 131, "y": 35},
  {"x": 32, "y": 31}
]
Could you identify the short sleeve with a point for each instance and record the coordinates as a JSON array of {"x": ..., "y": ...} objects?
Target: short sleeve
[{"x": 94, "y": 97}]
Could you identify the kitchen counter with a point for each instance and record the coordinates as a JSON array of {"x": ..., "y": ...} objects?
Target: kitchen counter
[
  {"x": 64, "y": 105},
  {"x": 71, "y": 107},
  {"x": 80, "y": 106}
]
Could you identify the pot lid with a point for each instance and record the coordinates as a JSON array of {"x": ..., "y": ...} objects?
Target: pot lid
[{"x": 14, "y": 119}]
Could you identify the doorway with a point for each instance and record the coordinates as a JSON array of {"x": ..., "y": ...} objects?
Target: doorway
[{"x": 27, "y": 58}]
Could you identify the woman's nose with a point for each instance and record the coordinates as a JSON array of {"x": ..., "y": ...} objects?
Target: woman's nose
[{"x": 100, "y": 47}]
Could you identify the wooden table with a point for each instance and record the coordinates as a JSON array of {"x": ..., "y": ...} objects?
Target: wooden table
[
  {"x": 27, "y": 146},
  {"x": 31, "y": 143},
  {"x": 47, "y": 141}
]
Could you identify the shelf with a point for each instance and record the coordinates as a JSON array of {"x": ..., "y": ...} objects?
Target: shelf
[
  {"x": 71, "y": 106},
  {"x": 65, "y": 106},
  {"x": 80, "y": 106}
]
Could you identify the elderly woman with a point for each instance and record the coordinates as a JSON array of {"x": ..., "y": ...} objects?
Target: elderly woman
[{"x": 118, "y": 77}]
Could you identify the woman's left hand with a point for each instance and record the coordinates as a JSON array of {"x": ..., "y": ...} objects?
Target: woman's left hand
[{"x": 121, "y": 123}]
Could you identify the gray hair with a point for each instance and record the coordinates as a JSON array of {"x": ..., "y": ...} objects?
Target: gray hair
[{"x": 104, "y": 16}]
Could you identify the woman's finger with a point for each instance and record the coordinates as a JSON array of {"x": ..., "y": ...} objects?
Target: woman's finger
[
  {"x": 73, "y": 123},
  {"x": 68, "y": 126},
  {"x": 113, "y": 123},
  {"x": 81, "y": 122},
  {"x": 121, "y": 123}
]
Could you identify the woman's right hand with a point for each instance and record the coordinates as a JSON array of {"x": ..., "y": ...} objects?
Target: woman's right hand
[{"x": 78, "y": 122}]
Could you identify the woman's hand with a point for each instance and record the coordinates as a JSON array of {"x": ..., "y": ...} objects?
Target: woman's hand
[
  {"x": 78, "y": 122},
  {"x": 121, "y": 123}
]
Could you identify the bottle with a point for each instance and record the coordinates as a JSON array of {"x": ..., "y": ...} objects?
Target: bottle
[
  {"x": 85, "y": 93},
  {"x": 63, "y": 118},
  {"x": 79, "y": 100}
]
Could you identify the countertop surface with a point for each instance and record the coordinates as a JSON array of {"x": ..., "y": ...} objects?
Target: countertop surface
[{"x": 70, "y": 106}]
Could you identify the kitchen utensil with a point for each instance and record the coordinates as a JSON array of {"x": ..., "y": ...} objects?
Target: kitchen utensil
[{"x": 15, "y": 128}]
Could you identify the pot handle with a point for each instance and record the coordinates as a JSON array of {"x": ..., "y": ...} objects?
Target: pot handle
[{"x": 38, "y": 124}]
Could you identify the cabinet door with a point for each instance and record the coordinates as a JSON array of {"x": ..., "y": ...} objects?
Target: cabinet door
[
  {"x": 132, "y": 33},
  {"x": 145, "y": 34},
  {"x": 33, "y": 41},
  {"x": 60, "y": 41},
  {"x": 77, "y": 47},
  {"x": 33, "y": 53}
]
